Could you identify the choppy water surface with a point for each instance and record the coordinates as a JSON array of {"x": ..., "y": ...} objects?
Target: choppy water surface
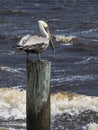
[{"x": 74, "y": 24}]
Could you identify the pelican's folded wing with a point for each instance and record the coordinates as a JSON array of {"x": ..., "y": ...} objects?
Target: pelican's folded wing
[
  {"x": 36, "y": 43},
  {"x": 23, "y": 40}
]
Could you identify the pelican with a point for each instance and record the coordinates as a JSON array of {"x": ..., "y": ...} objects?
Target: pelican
[{"x": 37, "y": 43}]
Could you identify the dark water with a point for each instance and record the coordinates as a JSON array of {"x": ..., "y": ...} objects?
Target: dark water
[
  {"x": 71, "y": 124},
  {"x": 74, "y": 67}
]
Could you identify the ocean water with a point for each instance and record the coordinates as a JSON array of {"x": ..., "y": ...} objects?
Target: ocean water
[{"x": 74, "y": 77}]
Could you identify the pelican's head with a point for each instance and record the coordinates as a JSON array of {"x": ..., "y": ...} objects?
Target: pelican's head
[
  {"x": 42, "y": 23},
  {"x": 43, "y": 27}
]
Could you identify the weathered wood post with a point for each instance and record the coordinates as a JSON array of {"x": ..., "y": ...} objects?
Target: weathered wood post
[{"x": 38, "y": 95}]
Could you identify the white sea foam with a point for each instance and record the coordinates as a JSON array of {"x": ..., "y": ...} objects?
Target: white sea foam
[
  {"x": 92, "y": 126},
  {"x": 65, "y": 39},
  {"x": 76, "y": 40},
  {"x": 75, "y": 78},
  {"x": 86, "y": 60},
  {"x": 5, "y": 68},
  {"x": 19, "y": 72},
  {"x": 7, "y": 52},
  {"x": 90, "y": 31},
  {"x": 1, "y": 128},
  {"x": 79, "y": 77},
  {"x": 72, "y": 103},
  {"x": 12, "y": 104}
]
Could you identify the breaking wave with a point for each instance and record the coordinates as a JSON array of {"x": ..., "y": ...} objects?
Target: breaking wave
[
  {"x": 13, "y": 106},
  {"x": 77, "y": 41}
]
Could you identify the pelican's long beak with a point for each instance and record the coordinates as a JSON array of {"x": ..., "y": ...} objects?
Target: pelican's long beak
[
  {"x": 51, "y": 43},
  {"x": 50, "y": 39}
]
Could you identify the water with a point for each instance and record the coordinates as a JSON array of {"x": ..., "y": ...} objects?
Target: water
[{"x": 74, "y": 24}]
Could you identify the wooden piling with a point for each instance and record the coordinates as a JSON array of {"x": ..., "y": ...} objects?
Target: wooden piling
[{"x": 38, "y": 95}]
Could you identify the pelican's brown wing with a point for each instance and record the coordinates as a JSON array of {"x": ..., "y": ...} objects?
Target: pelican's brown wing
[{"x": 36, "y": 44}]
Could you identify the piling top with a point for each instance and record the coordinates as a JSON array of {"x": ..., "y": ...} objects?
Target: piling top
[{"x": 38, "y": 62}]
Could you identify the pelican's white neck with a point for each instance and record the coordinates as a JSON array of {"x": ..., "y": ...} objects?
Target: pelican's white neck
[{"x": 42, "y": 30}]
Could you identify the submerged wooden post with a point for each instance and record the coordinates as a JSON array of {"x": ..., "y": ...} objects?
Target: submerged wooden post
[{"x": 38, "y": 95}]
